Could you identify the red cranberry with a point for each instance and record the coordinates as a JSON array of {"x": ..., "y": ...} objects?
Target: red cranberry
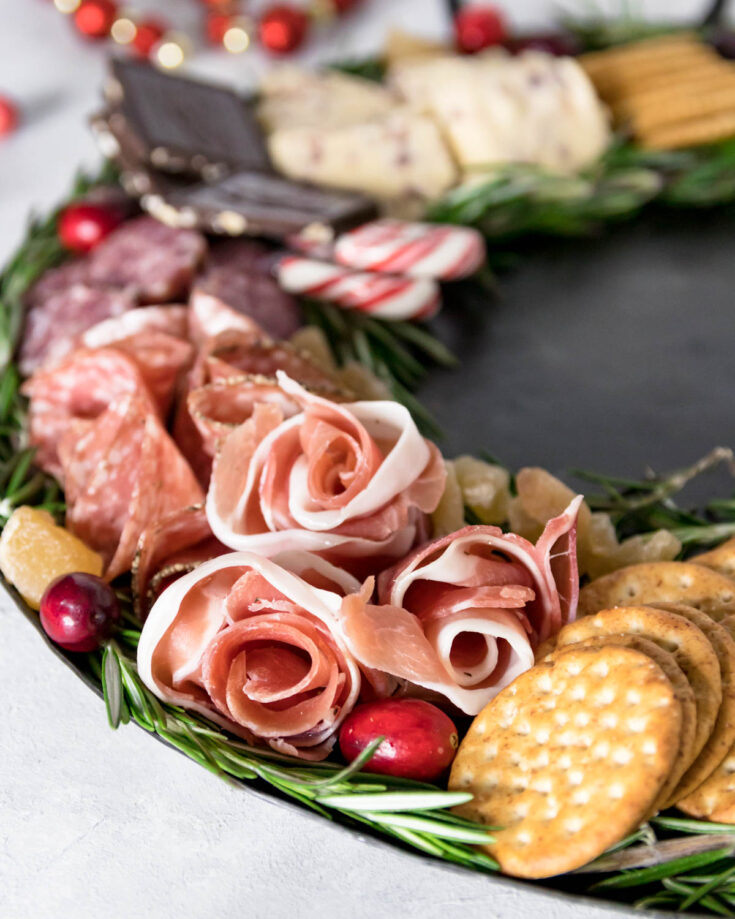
[
  {"x": 82, "y": 226},
  {"x": 78, "y": 611},
  {"x": 420, "y": 740},
  {"x": 478, "y": 27},
  {"x": 8, "y": 116}
]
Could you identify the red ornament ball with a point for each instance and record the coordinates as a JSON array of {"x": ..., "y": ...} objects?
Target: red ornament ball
[
  {"x": 8, "y": 116},
  {"x": 478, "y": 27},
  {"x": 283, "y": 28},
  {"x": 78, "y": 611},
  {"x": 148, "y": 33},
  {"x": 419, "y": 740},
  {"x": 217, "y": 25},
  {"x": 94, "y": 18},
  {"x": 82, "y": 226}
]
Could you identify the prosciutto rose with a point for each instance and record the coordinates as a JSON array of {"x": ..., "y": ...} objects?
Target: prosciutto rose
[
  {"x": 255, "y": 648},
  {"x": 352, "y": 482},
  {"x": 462, "y": 615}
]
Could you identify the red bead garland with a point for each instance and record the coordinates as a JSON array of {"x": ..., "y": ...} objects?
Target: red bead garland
[
  {"x": 283, "y": 28},
  {"x": 478, "y": 27},
  {"x": 94, "y": 18}
]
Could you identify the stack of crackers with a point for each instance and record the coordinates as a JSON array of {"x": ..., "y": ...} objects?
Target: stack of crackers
[
  {"x": 672, "y": 91},
  {"x": 628, "y": 710}
]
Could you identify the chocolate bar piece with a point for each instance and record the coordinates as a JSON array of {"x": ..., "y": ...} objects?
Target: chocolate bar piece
[
  {"x": 184, "y": 126},
  {"x": 260, "y": 205}
]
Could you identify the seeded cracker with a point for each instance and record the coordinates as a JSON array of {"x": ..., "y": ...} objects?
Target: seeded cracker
[
  {"x": 722, "y": 737},
  {"x": 688, "y": 644},
  {"x": 683, "y": 692},
  {"x": 661, "y": 582},
  {"x": 569, "y": 758}
]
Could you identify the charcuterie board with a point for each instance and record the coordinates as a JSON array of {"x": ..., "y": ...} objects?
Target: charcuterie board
[{"x": 294, "y": 574}]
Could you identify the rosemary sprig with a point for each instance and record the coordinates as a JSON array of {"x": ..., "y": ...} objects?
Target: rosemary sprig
[
  {"x": 417, "y": 814},
  {"x": 398, "y": 353}
]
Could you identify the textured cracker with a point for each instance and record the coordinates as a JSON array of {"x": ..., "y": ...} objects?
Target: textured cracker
[
  {"x": 722, "y": 737},
  {"x": 661, "y": 582},
  {"x": 721, "y": 559},
  {"x": 691, "y": 133},
  {"x": 715, "y": 797},
  {"x": 569, "y": 758},
  {"x": 684, "y": 695},
  {"x": 688, "y": 644}
]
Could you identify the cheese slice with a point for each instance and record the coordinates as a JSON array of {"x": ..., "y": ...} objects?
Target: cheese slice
[
  {"x": 293, "y": 97},
  {"x": 399, "y": 155}
]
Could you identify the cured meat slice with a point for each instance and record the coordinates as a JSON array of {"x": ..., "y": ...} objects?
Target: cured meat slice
[
  {"x": 168, "y": 548},
  {"x": 89, "y": 380},
  {"x": 256, "y": 649},
  {"x": 54, "y": 324},
  {"x": 462, "y": 615},
  {"x": 239, "y": 276},
  {"x": 485, "y": 557},
  {"x": 265, "y": 358},
  {"x": 125, "y": 473},
  {"x": 170, "y": 319},
  {"x": 353, "y": 481},
  {"x": 81, "y": 387},
  {"x": 219, "y": 407},
  {"x": 58, "y": 280},
  {"x": 155, "y": 261}
]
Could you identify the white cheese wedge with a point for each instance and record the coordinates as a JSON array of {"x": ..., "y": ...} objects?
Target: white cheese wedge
[
  {"x": 294, "y": 97},
  {"x": 400, "y": 155}
]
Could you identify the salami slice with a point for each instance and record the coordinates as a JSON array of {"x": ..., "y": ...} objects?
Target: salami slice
[
  {"x": 157, "y": 262},
  {"x": 239, "y": 276},
  {"x": 140, "y": 477},
  {"x": 169, "y": 547},
  {"x": 89, "y": 380},
  {"x": 53, "y": 325}
]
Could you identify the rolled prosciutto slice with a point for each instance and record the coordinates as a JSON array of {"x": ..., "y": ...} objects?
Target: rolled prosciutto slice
[
  {"x": 462, "y": 615},
  {"x": 255, "y": 648},
  {"x": 353, "y": 482}
]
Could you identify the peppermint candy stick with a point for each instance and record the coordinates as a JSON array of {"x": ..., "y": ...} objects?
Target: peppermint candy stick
[
  {"x": 382, "y": 295},
  {"x": 419, "y": 250}
]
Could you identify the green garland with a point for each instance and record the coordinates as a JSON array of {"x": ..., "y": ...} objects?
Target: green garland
[{"x": 411, "y": 814}]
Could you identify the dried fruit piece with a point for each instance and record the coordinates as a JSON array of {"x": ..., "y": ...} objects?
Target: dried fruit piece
[
  {"x": 34, "y": 551},
  {"x": 485, "y": 489},
  {"x": 449, "y": 514}
]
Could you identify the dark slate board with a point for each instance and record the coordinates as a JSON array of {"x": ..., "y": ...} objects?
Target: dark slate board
[{"x": 609, "y": 353}]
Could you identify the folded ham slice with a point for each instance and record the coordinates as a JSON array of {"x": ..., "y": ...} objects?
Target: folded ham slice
[
  {"x": 255, "y": 648},
  {"x": 353, "y": 482},
  {"x": 462, "y": 615}
]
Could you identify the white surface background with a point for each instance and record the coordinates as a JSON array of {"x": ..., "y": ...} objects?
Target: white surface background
[{"x": 101, "y": 824}]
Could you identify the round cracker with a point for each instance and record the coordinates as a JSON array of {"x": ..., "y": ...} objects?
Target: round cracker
[
  {"x": 569, "y": 758},
  {"x": 721, "y": 559},
  {"x": 688, "y": 644},
  {"x": 714, "y": 799},
  {"x": 722, "y": 737},
  {"x": 684, "y": 695},
  {"x": 661, "y": 582}
]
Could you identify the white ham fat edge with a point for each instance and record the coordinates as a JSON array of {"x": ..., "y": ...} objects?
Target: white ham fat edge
[
  {"x": 170, "y": 319},
  {"x": 323, "y": 604},
  {"x": 383, "y": 420}
]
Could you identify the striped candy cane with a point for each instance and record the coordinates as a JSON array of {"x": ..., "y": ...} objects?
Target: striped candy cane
[
  {"x": 382, "y": 295},
  {"x": 419, "y": 250}
]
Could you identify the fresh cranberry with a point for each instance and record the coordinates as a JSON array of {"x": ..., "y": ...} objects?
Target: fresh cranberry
[
  {"x": 420, "y": 740},
  {"x": 82, "y": 226},
  {"x": 478, "y": 27},
  {"x": 78, "y": 611}
]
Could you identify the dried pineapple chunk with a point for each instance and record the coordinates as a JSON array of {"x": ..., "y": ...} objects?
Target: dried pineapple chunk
[
  {"x": 485, "y": 488},
  {"x": 34, "y": 551},
  {"x": 449, "y": 514}
]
